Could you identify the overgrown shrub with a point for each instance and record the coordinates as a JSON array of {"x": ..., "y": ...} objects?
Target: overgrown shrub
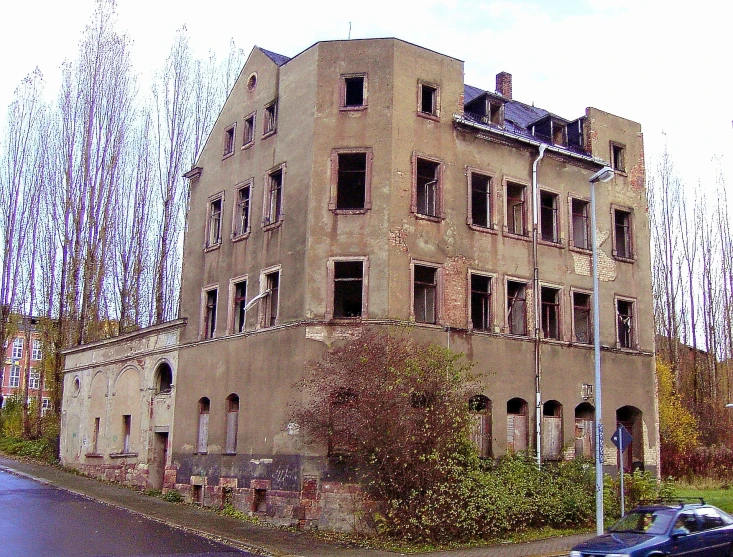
[
  {"x": 639, "y": 486},
  {"x": 714, "y": 462},
  {"x": 173, "y": 496}
]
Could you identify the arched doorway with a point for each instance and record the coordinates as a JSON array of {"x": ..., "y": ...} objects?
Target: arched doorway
[
  {"x": 631, "y": 418},
  {"x": 480, "y": 408},
  {"x": 517, "y": 432},
  {"x": 552, "y": 438},
  {"x": 585, "y": 421}
]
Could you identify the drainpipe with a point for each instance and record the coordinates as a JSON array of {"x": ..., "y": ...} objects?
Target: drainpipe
[{"x": 536, "y": 297}]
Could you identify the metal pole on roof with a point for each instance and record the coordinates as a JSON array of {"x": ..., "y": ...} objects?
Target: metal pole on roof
[{"x": 603, "y": 175}]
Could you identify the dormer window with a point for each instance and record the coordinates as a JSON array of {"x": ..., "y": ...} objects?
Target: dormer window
[
  {"x": 551, "y": 129},
  {"x": 559, "y": 134},
  {"x": 488, "y": 109}
]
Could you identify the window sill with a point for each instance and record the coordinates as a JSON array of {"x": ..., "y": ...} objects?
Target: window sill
[
  {"x": 212, "y": 247},
  {"x": 269, "y": 134},
  {"x": 430, "y": 218},
  {"x": 517, "y": 236},
  {"x": 584, "y": 251},
  {"x": 241, "y": 237},
  {"x": 483, "y": 229},
  {"x": 350, "y": 211},
  {"x": 429, "y": 116},
  {"x": 272, "y": 225},
  {"x": 123, "y": 455},
  {"x": 357, "y": 108},
  {"x": 620, "y": 172},
  {"x": 94, "y": 455},
  {"x": 229, "y": 454},
  {"x": 201, "y": 452},
  {"x": 631, "y": 259},
  {"x": 248, "y": 145},
  {"x": 225, "y": 156},
  {"x": 551, "y": 244}
]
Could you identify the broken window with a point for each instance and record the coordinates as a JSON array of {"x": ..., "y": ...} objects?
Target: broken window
[
  {"x": 18, "y": 348},
  {"x": 427, "y": 187},
  {"x": 95, "y": 437},
  {"x": 552, "y": 437},
  {"x": 241, "y": 210},
  {"x": 622, "y": 234},
  {"x": 348, "y": 284},
  {"x": 239, "y": 303},
  {"x": 481, "y": 302},
  {"x": 480, "y": 408},
  {"x": 353, "y": 91},
  {"x": 210, "y": 297},
  {"x": 480, "y": 200},
  {"x": 270, "y": 306},
  {"x": 581, "y": 223},
  {"x": 516, "y": 210},
  {"x": 425, "y": 290},
  {"x": 274, "y": 188},
  {"x": 618, "y": 157},
  {"x": 582, "y": 324},
  {"x": 550, "y": 302},
  {"x": 270, "y": 124},
  {"x": 248, "y": 130},
  {"x": 230, "y": 446},
  {"x": 202, "y": 443},
  {"x": 126, "y": 430},
  {"x": 229, "y": 140},
  {"x": 516, "y": 298},
  {"x": 352, "y": 178},
  {"x": 549, "y": 225},
  {"x": 164, "y": 379},
  {"x": 517, "y": 432},
  {"x": 428, "y": 99},
  {"x": 214, "y": 223},
  {"x": 625, "y": 320}
]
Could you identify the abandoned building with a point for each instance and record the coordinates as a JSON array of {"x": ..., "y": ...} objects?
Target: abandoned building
[{"x": 362, "y": 182}]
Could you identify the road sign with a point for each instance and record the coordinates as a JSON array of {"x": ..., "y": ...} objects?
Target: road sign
[{"x": 621, "y": 438}]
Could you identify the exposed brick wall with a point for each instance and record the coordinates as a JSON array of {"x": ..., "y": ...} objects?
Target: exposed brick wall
[
  {"x": 504, "y": 84},
  {"x": 637, "y": 175},
  {"x": 454, "y": 278}
]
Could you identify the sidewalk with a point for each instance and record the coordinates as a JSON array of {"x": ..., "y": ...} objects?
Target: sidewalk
[{"x": 259, "y": 539}]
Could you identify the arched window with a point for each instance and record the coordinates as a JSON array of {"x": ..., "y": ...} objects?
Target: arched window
[
  {"x": 517, "y": 431},
  {"x": 480, "y": 408},
  {"x": 232, "y": 424},
  {"x": 163, "y": 379},
  {"x": 202, "y": 445},
  {"x": 585, "y": 423},
  {"x": 552, "y": 438}
]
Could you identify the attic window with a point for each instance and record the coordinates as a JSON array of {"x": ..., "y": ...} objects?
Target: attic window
[
  {"x": 252, "y": 81},
  {"x": 495, "y": 113},
  {"x": 353, "y": 92},
  {"x": 229, "y": 140},
  {"x": 428, "y": 100},
  {"x": 618, "y": 157},
  {"x": 559, "y": 134}
]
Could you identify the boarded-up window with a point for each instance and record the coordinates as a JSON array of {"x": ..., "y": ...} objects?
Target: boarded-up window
[
  {"x": 480, "y": 408},
  {"x": 202, "y": 445},
  {"x": 232, "y": 424},
  {"x": 552, "y": 439},
  {"x": 584, "y": 430},
  {"x": 95, "y": 436},
  {"x": 516, "y": 425}
]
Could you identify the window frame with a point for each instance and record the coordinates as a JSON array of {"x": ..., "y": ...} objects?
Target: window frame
[
  {"x": 525, "y": 212},
  {"x": 434, "y": 114},
  {"x": 557, "y": 224},
  {"x": 34, "y": 378},
  {"x": 233, "y": 406},
  {"x": 559, "y": 308},
  {"x": 630, "y": 255},
  {"x": 202, "y": 425},
  {"x": 571, "y": 224},
  {"x": 249, "y": 131},
  {"x": 269, "y": 119},
  {"x": 206, "y": 331},
  {"x": 507, "y": 309},
  {"x": 229, "y": 140},
  {"x": 266, "y": 320},
  {"x": 237, "y": 235},
  {"x": 439, "y": 206},
  {"x": 14, "y": 377},
  {"x": 209, "y": 243},
  {"x": 333, "y": 198},
  {"x": 268, "y": 222},
  {"x": 331, "y": 299},
  {"x": 438, "y": 290},
  {"x": 232, "y": 324},
  {"x": 18, "y": 348},
  {"x": 591, "y": 327},
  {"x": 343, "y": 92},
  {"x": 491, "y": 199},
  {"x": 36, "y": 349},
  {"x": 126, "y": 434},
  {"x": 491, "y": 325},
  {"x": 620, "y": 149},
  {"x": 633, "y": 343}
]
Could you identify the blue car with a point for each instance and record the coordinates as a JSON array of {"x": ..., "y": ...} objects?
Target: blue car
[{"x": 665, "y": 528}]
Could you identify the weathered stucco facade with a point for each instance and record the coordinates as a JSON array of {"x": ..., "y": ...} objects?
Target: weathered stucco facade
[{"x": 362, "y": 182}]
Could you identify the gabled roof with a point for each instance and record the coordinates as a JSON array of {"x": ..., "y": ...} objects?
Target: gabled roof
[{"x": 279, "y": 59}]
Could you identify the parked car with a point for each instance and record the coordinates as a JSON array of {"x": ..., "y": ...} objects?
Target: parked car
[{"x": 665, "y": 528}]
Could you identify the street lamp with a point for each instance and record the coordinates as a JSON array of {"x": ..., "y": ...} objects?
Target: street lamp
[{"x": 603, "y": 175}]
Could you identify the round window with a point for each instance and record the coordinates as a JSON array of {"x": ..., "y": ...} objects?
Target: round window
[
  {"x": 252, "y": 81},
  {"x": 77, "y": 386}
]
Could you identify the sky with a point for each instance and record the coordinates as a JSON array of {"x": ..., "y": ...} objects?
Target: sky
[{"x": 661, "y": 63}]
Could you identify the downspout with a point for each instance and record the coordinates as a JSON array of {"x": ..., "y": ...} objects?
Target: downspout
[{"x": 536, "y": 298}]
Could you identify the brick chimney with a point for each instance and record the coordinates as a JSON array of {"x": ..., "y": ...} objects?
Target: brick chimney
[{"x": 504, "y": 84}]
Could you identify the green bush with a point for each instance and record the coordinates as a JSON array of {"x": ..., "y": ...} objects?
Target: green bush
[{"x": 173, "y": 496}]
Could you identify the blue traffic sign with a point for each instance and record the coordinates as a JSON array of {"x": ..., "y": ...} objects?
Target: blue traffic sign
[{"x": 621, "y": 438}]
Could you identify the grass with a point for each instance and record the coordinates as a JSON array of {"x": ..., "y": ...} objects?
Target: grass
[{"x": 715, "y": 493}]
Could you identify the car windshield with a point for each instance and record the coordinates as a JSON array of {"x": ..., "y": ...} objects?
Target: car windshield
[{"x": 655, "y": 521}]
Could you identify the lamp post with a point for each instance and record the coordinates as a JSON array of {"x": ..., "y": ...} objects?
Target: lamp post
[{"x": 603, "y": 175}]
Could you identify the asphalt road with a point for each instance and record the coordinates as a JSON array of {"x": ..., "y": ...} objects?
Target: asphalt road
[{"x": 37, "y": 520}]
